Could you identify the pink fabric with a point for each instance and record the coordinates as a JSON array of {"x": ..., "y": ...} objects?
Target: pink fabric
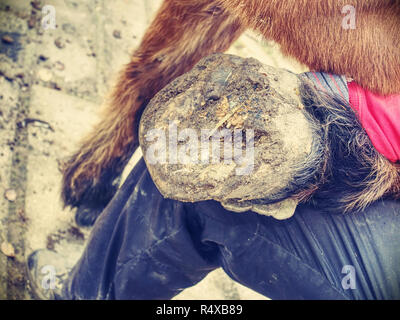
[{"x": 380, "y": 117}]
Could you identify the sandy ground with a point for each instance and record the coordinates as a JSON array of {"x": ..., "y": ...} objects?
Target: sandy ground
[{"x": 52, "y": 83}]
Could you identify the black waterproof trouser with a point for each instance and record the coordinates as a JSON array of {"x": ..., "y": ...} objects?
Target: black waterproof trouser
[{"x": 144, "y": 246}]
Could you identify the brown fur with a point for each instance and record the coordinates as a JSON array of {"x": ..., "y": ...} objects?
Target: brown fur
[
  {"x": 184, "y": 31},
  {"x": 384, "y": 182}
]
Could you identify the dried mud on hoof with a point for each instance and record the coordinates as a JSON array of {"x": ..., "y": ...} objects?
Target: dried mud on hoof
[{"x": 231, "y": 130}]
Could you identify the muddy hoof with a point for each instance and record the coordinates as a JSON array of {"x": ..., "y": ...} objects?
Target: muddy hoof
[{"x": 231, "y": 130}]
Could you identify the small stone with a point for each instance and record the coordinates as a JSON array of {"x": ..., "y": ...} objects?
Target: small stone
[
  {"x": 117, "y": 34},
  {"x": 8, "y": 249},
  {"x": 68, "y": 28},
  {"x": 59, "y": 43},
  {"x": 31, "y": 22},
  {"x": 21, "y": 214},
  {"x": 55, "y": 86},
  {"x": 59, "y": 66},
  {"x": 10, "y": 195},
  {"x": 7, "y": 39},
  {"x": 44, "y": 75},
  {"x": 36, "y": 5},
  {"x": 43, "y": 57}
]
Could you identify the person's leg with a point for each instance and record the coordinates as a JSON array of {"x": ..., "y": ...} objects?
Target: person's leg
[
  {"x": 147, "y": 247},
  {"x": 312, "y": 255},
  {"x": 143, "y": 246}
]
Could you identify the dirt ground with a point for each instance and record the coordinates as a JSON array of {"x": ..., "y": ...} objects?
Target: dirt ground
[{"x": 52, "y": 84}]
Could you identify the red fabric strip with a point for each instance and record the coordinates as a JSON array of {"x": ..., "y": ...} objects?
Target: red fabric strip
[
  {"x": 337, "y": 87},
  {"x": 319, "y": 82},
  {"x": 380, "y": 117}
]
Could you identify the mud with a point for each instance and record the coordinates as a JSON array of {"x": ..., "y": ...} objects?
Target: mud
[{"x": 266, "y": 133}]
